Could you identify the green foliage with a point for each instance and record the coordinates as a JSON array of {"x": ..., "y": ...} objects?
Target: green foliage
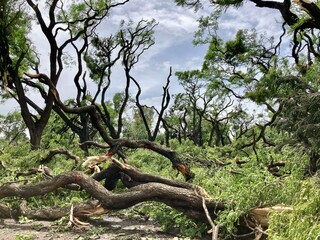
[
  {"x": 247, "y": 67},
  {"x": 20, "y": 159},
  {"x": 130, "y": 42},
  {"x": 304, "y": 221},
  {"x": 186, "y": 3},
  {"x": 142, "y": 158},
  {"x": 57, "y": 133},
  {"x": 12, "y": 128},
  {"x": 243, "y": 188},
  {"x": 301, "y": 118},
  {"x": 97, "y": 230},
  {"x": 117, "y": 100},
  {"x": 237, "y": 46},
  {"x": 250, "y": 185},
  {"x": 28, "y": 236},
  {"x": 300, "y": 115},
  {"x": 171, "y": 219},
  {"x": 79, "y": 15},
  {"x": 17, "y": 54},
  {"x": 207, "y": 24},
  {"x": 227, "y": 3}
]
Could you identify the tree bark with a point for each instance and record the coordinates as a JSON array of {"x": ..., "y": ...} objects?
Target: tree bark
[
  {"x": 81, "y": 210},
  {"x": 187, "y": 198},
  {"x": 190, "y": 199}
]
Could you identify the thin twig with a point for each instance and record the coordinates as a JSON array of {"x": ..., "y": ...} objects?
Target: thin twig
[{"x": 215, "y": 228}]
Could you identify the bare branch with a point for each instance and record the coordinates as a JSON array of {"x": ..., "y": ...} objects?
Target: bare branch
[{"x": 54, "y": 152}]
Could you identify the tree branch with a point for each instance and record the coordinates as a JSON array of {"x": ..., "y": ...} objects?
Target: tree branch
[
  {"x": 54, "y": 152},
  {"x": 186, "y": 200}
]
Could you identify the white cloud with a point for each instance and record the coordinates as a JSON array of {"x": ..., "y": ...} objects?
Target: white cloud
[
  {"x": 173, "y": 37},
  {"x": 249, "y": 16}
]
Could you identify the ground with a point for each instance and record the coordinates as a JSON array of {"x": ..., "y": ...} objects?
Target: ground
[{"x": 113, "y": 226}]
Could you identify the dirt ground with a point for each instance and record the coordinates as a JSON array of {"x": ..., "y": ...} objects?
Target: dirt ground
[{"x": 113, "y": 226}]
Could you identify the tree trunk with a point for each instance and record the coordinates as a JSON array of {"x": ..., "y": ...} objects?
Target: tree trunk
[
  {"x": 314, "y": 162},
  {"x": 190, "y": 199},
  {"x": 211, "y": 136},
  {"x": 184, "y": 197},
  {"x": 35, "y": 138}
]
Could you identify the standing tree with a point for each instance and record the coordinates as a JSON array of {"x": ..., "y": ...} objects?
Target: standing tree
[
  {"x": 247, "y": 69},
  {"x": 207, "y": 106},
  {"x": 70, "y": 29},
  {"x": 67, "y": 29},
  {"x": 253, "y": 68},
  {"x": 17, "y": 56}
]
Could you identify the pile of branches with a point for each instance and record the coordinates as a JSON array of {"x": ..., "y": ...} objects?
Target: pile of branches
[{"x": 190, "y": 199}]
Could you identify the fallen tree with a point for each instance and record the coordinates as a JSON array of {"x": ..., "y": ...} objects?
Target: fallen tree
[
  {"x": 188, "y": 198},
  {"x": 185, "y": 197}
]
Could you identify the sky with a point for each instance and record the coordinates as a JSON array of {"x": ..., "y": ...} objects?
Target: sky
[{"x": 173, "y": 44}]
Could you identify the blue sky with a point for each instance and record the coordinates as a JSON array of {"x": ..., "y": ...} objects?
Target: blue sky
[{"x": 173, "y": 43}]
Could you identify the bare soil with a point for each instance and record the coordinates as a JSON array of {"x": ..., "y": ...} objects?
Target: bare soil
[{"x": 113, "y": 226}]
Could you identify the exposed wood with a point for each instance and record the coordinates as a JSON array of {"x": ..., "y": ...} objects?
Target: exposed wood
[
  {"x": 94, "y": 160},
  {"x": 260, "y": 215}
]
